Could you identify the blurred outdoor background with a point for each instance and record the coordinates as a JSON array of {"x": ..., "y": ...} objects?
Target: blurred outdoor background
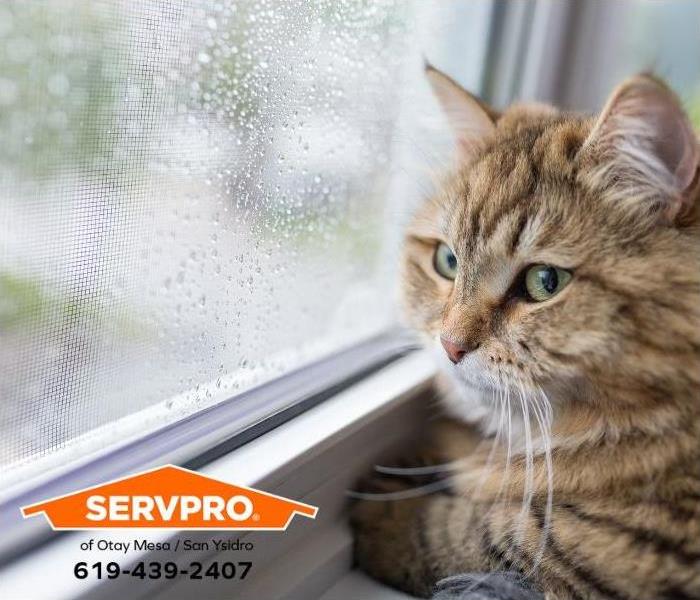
[{"x": 196, "y": 196}]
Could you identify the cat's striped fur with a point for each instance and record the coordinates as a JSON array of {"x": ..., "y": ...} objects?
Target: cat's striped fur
[{"x": 587, "y": 481}]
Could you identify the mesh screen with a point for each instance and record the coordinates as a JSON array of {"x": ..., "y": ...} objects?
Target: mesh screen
[{"x": 193, "y": 199}]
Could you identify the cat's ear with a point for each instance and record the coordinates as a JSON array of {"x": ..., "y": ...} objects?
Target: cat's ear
[
  {"x": 471, "y": 120},
  {"x": 643, "y": 148}
]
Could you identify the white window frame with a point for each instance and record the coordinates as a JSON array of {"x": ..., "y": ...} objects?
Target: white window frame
[{"x": 326, "y": 449}]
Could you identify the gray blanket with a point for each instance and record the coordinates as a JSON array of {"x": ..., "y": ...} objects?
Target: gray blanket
[{"x": 486, "y": 586}]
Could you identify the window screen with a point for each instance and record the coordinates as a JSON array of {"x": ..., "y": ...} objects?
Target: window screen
[{"x": 196, "y": 196}]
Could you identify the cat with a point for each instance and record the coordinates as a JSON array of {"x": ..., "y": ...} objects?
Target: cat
[{"x": 556, "y": 271}]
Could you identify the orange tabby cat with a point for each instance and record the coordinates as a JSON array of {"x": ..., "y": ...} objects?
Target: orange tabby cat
[{"x": 557, "y": 270}]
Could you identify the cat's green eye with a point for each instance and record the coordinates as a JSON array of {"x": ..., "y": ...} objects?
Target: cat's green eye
[
  {"x": 543, "y": 282},
  {"x": 445, "y": 261}
]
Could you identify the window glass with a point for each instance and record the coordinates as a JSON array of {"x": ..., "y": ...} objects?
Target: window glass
[{"x": 196, "y": 197}]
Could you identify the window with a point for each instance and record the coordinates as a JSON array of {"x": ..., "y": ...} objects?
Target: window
[
  {"x": 197, "y": 197},
  {"x": 614, "y": 40}
]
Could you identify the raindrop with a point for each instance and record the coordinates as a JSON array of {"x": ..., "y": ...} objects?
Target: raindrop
[{"x": 58, "y": 84}]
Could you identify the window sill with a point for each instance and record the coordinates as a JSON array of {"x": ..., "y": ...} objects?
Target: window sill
[
  {"x": 325, "y": 450},
  {"x": 355, "y": 585}
]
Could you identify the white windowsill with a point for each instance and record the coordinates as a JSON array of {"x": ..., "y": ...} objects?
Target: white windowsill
[
  {"x": 325, "y": 449},
  {"x": 356, "y": 585}
]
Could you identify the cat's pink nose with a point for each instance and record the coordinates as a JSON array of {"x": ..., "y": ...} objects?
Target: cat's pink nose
[{"x": 455, "y": 352}]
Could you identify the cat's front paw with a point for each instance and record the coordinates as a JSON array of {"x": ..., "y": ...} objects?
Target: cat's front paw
[{"x": 384, "y": 519}]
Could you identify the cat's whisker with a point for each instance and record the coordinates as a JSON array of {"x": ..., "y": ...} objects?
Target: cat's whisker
[
  {"x": 501, "y": 410},
  {"x": 542, "y": 411},
  {"x": 505, "y": 478},
  {"x": 425, "y": 470},
  {"x": 529, "y": 466},
  {"x": 498, "y": 500},
  {"x": 414, "y": 492},
  {"x": 487, "y": 467},
  {"x": 457, "y": 464}
]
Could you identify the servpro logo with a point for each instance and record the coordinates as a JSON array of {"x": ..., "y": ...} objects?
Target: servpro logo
[{"x": 170, "y": 497}]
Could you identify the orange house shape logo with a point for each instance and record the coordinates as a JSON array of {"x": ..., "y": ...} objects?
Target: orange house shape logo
[{"x": 170, "y": 497}]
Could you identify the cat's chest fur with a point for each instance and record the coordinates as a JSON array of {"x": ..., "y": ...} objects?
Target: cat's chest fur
[{"x": 493, "y": 412}]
